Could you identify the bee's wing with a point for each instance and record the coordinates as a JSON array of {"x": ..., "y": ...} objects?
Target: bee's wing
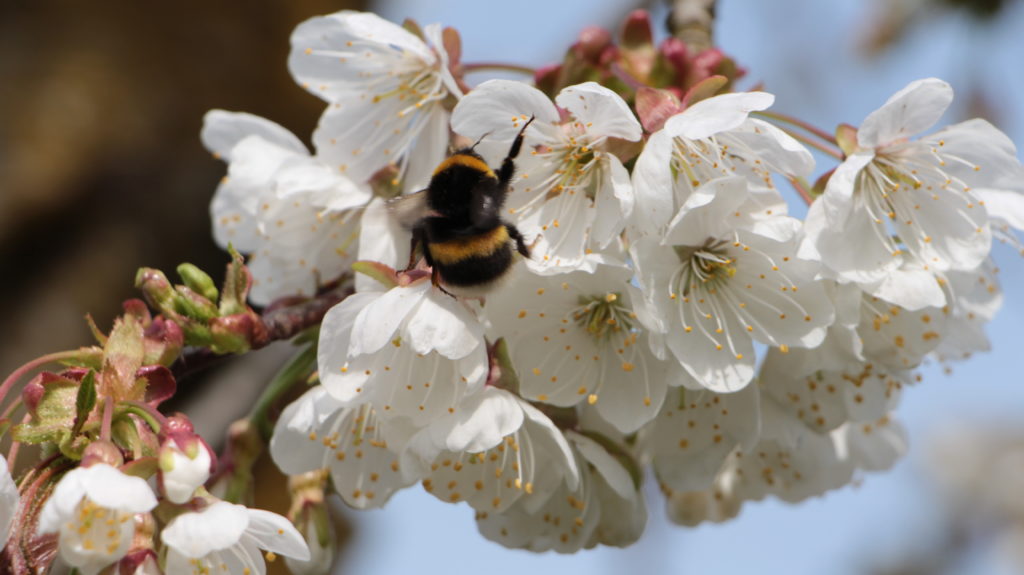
[{"x": 409, "y": 210}]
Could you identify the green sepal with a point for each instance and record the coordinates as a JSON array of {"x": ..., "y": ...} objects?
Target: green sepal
[
  {"x": 377, "y": 271},
  {"x": 846, "y": 137},
  {"x": 122, "y": 358},
  {"x": 144, "y": 467},
  {"x": 705, "y": 89}
]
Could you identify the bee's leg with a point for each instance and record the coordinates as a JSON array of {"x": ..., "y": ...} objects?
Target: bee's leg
[
  {"x": 508, "y": 165},
  {"x": 435, "y": 279},
  {"x": 521, "y": 246},
  {"x": 416, "y": 241}
]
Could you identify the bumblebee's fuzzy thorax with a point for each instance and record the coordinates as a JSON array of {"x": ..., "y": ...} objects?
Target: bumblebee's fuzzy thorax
[{"x": 457, "y": 222}]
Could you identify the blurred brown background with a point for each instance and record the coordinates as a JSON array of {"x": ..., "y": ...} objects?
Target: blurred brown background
[{"x": 101, "y": 168}]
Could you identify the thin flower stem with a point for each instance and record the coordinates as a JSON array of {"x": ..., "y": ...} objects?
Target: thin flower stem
[
  {"x": 12, "y": 455},
  {"x": 785, "y": 118},
  {"x": 835, "y": 153},
  {"x": 108, "y": 418},
  {"x": 802, "y": 190},
  {"x": 34, "y": 364},
  {"x": 10, "y": 408},
  {"x": 154, "y": 419},
  {"x": 296, "y": 370},
  {"x": 482, "y": 66}
]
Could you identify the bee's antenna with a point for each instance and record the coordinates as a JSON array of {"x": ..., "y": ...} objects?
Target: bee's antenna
[{"x": 477, "y": 143}]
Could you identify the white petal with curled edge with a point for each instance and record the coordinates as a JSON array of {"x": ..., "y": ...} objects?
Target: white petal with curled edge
[
  {"x": 610, "y": 469},
  {"x": 276, "y": 534},
  {"x": 910, "y": 111},
  {"x": 377, "y": 322},
  {"x": 223, "y": 130},
  {"x": 602, "y": 111},
  {"x": 197, "y": 534},
  {"x": 443, "y": 324},
  {"x": 717, "y": 114},
  {"x": 496, "y": 107}
]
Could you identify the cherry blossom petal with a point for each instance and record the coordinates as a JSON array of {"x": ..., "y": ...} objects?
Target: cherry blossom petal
[
  {"x": 717, "y": 114},
  {"x": 603, "y": 111},
  {"x": 910, "y": 111}
]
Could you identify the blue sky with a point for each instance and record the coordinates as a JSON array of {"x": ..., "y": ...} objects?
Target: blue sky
[{"x": 804, "y": 52}]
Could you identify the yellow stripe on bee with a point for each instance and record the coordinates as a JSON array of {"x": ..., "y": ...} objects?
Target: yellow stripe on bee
[
  {"x": 455, "y": 251},
  {"x": 464, "y": 160}
]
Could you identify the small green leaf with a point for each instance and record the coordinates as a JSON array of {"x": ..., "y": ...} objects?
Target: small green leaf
[{"x": 85, "y": 401}]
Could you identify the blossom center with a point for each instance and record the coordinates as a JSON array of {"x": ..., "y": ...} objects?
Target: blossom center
[
  {"x": 708, "y": 266},
  {"x": 602, "y": 315},
  {"x": 97, "y": 528}
]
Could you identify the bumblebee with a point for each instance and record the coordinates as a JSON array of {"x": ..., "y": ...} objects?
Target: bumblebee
[{"x": 456, "y": 221}]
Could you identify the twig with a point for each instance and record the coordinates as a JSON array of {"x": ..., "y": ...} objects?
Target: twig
[{"x": 692, "y": 21}]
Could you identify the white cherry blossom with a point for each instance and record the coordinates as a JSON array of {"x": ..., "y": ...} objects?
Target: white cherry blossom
[
  {"x": 696, "y": 430},
  {"x": 293, "y": 214},
  {"x": 412, "y": 351},
  {"x": 724, "y": 275},
  {"x": 227, "y": 538},
  {"x": 899, "y": 199},
  {"x": 492, "y": 451},
  {"x": 710, "y": 140},
  {"x": 790, "y": 462},
  {"x": 92, "y": 510},
  {"x": 976, "y": 297},
  {"x": 9, "y": 499},
  {"x": 570, "y": 195},
  {"x": 825, "y": 400},
  {"x": 574, "y": 337},
  {"x": 317, "y": 431},
  {"x": 386, "y": 88},
  {"x": 604, "y": 508}
]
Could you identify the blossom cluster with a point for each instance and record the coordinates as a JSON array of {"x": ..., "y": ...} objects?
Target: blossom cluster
[
  {"x": 663, "y": 263},
  {"x": 671, "y": 322}
]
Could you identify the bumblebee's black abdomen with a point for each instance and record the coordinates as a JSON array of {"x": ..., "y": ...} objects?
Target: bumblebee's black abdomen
[
  {"x": 476, "y": 270},
  {"x": 473, "y": 260}
]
